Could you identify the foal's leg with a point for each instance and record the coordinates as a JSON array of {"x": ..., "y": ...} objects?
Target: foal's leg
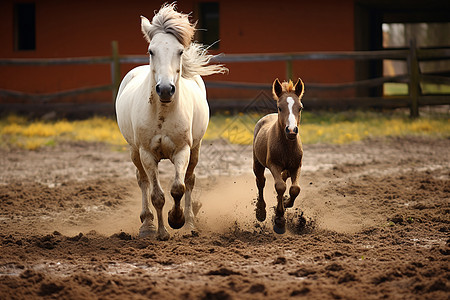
[
  {"x": 147, "y": 228},
  {"x": 294, "y": 190},
  {"x": 190, "y": 181},
  {"x": 279, "y": 225},
  {"x": 258, "y": 169},
  {"x": 151, "y": 167},
  {"x": 180, "y": 161}
]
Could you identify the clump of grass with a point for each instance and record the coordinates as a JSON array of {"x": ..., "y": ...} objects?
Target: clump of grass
[
  {"x": 335, "y": 128},
  {"x": 19, "y": 132}
]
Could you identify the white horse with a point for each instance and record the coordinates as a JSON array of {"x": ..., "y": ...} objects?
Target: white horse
[{"x": 163, "y": 113}]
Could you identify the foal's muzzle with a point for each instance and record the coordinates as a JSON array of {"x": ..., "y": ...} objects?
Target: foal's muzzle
[
  {"x": 291, "y": 134},
  {"x": 165, "y": 92}
]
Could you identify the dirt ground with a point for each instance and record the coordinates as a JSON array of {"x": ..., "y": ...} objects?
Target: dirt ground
[{"x": 377, "y": 226}]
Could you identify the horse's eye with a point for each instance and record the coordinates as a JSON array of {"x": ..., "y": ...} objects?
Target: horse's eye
[
  {"x": 150, "y": 52},
  {"x": 181, "y": 52},
  {"x": 279, "y": 109}
]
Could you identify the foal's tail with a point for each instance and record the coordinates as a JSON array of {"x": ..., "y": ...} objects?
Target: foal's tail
[{"x": 196, "y": 62}]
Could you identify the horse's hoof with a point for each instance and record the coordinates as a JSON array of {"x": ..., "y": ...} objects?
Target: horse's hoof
[
  {"x": 279, "y": 225},
  {"x": 279, "y": 230},
  {"x": 147, "y": 231},
  {"x": 287, "y": 202},
  {"x": 176, "y": 218},
  {"x": 261, "y": 215},
  {"x": 164, "y": 236},
  {"x": 260, "y": 210}
]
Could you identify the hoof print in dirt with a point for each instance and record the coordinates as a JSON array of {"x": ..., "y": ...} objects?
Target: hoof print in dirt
[
  {"x": 298, "y": 224},
  {"x": 122, "y": 236},
  {"x": 193, "y": 233}
]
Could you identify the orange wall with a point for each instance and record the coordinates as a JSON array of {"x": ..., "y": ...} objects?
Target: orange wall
[{"x": 86, "y": 28}]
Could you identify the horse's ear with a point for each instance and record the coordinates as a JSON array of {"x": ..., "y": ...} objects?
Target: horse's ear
[
  {"x": 145, "y": 27},
  {"x": 299, "y": 88},
  {"x": 276, "y": 89}
]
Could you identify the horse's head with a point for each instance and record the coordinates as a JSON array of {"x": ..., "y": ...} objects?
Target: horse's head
[
  {"x": 288, "y": 98},
  {"x": 169, "y": 34}
]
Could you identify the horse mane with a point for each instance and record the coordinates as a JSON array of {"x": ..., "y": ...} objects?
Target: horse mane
[
  {"x": 196, "y": 62},
  {"x": 195, "y": 56},
  {"x": 288, "y": 86},
  {"x": 168, "y": 20}
]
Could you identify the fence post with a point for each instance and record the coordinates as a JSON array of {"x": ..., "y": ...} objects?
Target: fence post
[
  {"x": 414, "y": 79},
  {"x": 289, "y": 70},
  {"x": 115, "y": 69}
]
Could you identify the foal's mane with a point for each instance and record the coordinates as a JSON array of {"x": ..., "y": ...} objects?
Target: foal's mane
[
  {"x": 195, "y": 56},
  {"x": 288, "y": 87}
]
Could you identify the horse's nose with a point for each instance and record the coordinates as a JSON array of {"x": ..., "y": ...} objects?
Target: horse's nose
[
  {"x": 291, "y": 133},
  {"x": 165, "y": 91}
]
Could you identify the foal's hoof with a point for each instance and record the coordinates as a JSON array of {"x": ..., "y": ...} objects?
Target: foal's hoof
[
  {"x": 176, "y": 218},
  {"x": 260, "y": 211},
  {"x": 287, "y": 202},
  {"x": 279, "y": 225}
]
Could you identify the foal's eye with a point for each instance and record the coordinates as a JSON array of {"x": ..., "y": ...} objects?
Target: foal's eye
[
  {"x": 279, "y": 109},
  {"x": 181, "y": 52}
]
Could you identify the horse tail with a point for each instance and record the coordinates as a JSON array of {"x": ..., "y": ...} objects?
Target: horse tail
[{"x": 196, "y": 62}]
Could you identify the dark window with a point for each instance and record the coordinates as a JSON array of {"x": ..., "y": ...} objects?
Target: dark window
[
  {"x": 208, "y": 33},
  {"x": 25, "y": 26}
]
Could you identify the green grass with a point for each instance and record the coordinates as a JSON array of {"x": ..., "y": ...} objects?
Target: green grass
[
  {"x": 401, "y": 89},
  {"x": 317, "y": 127}
]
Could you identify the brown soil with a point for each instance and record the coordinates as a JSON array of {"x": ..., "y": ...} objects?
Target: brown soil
[{"x": 376, "y": 226}]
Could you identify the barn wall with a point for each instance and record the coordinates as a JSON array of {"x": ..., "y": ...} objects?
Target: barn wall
[{"x": 86, "y": 28}]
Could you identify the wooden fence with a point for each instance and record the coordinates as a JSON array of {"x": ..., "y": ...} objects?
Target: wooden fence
[{"x": 411, "y": 55}]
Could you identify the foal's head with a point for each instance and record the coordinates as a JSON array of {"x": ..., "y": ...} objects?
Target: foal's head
[
  {"x": 288, "y": 98},
  {"x": 169, "y": 34}
]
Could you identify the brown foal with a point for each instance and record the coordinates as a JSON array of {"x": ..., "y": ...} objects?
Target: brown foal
[{"x": 277, "y": 146}]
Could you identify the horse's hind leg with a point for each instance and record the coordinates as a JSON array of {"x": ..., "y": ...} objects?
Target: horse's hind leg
[
  {"x": 147, "y": 228},
  {"x": 151, "y": 169},
  {"x": 258, "y": 169},
  {"x": 180, "y": 161},
  {"x": 190, "y": 181}
]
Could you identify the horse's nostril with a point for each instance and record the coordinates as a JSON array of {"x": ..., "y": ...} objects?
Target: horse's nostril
[
  {"x": 296, "y": 130},
  {"x": 287, "y": 129},
  {"x": 158, "y": 90},
  {"x": 172, "y": 90}
]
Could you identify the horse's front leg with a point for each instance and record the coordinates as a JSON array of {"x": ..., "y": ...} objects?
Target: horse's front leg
[
  {"x": 279, "y": 225},
  {"x": 190, "y": 181},
  {"x": 147, "y": 229},
  {"x": 150, "y": 165},
  {"x": 180, "y": 161},
  {"x": 294, "y": 190}
]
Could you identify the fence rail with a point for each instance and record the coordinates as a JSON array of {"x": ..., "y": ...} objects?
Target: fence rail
[{"x": 411, "y": 55}]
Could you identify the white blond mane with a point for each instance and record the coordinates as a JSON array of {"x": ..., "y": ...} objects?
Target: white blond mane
[{"x": 195, "y": 57}]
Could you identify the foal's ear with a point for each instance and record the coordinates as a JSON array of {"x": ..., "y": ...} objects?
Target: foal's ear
[
  {"x": 276, "y": 89},
  {"x": 145, "y": 27},
  {"x": 299, "y": 88}
]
